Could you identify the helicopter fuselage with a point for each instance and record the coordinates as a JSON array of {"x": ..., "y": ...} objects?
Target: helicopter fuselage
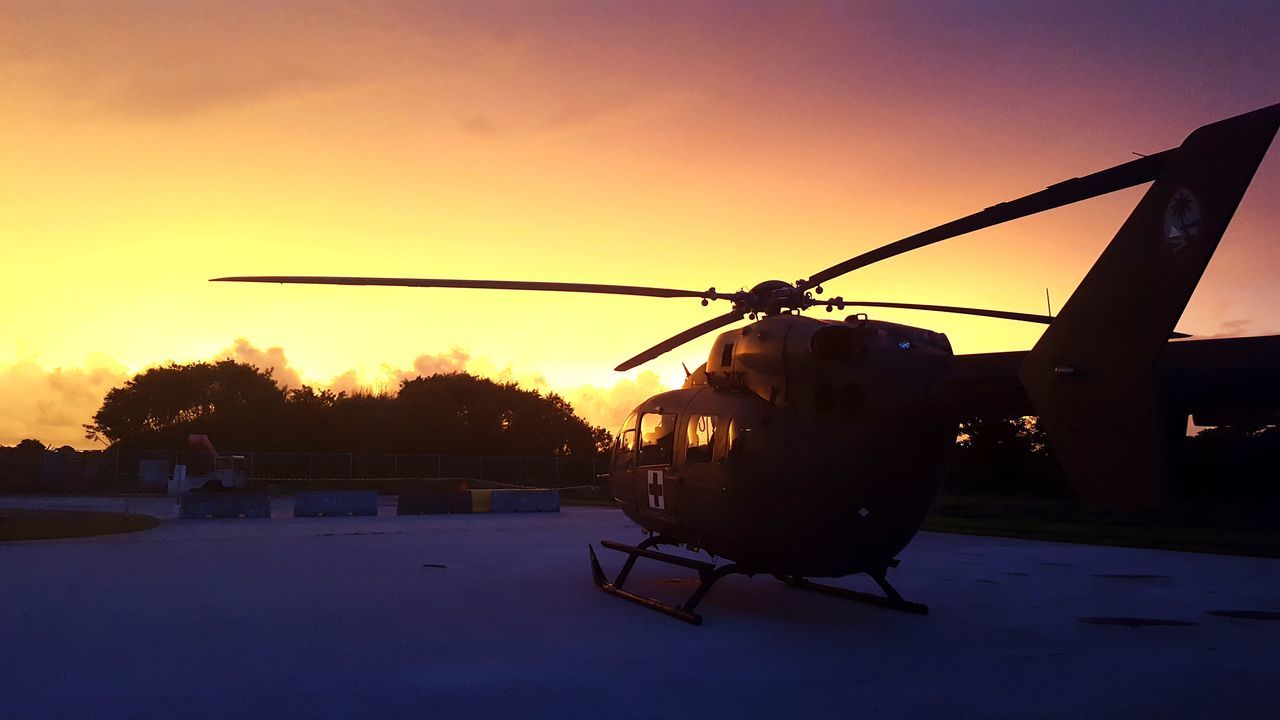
[{"x": 803, "y": 447}]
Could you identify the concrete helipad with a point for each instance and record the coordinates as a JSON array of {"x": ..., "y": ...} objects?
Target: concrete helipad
[{"x": 350, "y": 617}]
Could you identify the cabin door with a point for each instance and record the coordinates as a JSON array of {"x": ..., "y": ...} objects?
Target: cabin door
[{"x": 658, "y": 483}]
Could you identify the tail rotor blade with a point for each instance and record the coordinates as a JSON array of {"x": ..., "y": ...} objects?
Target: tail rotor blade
[{"x": 676, "y": 341}]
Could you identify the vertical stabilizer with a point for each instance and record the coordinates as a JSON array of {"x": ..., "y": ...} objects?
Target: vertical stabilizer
[{"x": 1090, "y": 377}]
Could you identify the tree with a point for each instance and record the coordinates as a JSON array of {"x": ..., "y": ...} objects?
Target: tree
[
  {"x": 20, "y": 465},
  {"x": 240, "y": 407},
  {"x": 233, "y": 402},
  {"x": 30, "y": 446},
  {"x": 1005, "y": 456},
  {"x": 479, "y": 416}
]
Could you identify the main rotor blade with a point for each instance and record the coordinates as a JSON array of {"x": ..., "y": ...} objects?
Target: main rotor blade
[
  {"x": 677, "y": 340},
  {"x": 480, "y": 284},
  {"x": 1002, "y": 314},
  {"x": 1134, "y": 172}
]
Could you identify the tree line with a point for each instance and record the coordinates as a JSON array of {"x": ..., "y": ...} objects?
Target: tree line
[
  {"x": 1014, "y": 457},
  {"x": 240, "y": 407}
]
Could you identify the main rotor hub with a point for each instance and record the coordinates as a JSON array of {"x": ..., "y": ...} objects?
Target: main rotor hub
[{"x": 772, "y": 297}]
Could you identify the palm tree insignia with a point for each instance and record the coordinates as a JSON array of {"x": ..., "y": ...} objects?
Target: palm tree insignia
[{"x": 1182, "y": 219}]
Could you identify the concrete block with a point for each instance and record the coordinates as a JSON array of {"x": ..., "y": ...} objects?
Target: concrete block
[
  {"x": 202, "y": 505},
  {"x": 330, "y": 503},
  {"x": 433, "y": 503},
  {"x": 511, "y": 501},
  {"x": 481, "y": 501}
]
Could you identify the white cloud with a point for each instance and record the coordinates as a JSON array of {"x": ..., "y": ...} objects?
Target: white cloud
[
  {"x": 272, "y": 359},
  {"x": 52, "y": 405}
]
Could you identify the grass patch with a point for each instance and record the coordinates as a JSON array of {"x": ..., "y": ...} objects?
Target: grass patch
[
  {"x": 1226, "y": 532},
  {"x": 49, "y": 524}
]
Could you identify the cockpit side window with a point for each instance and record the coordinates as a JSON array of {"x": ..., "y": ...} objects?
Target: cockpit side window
[
  {"x": 624, "y": 449},
  {"x": 702, "y": 436},
  {"x": 737, "y": 433},
  {"x": 657, "y": 438}
]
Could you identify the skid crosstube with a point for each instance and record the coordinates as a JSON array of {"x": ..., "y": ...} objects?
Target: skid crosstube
[
  {"x": 891, "y": 599},
  {"x": 709, "y": 575}
]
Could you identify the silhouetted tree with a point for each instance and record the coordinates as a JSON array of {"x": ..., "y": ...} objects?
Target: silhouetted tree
[
  {"x": 240, "y": 407},
  {"x": 1231, "y": 464},
  {"x": 233, "y": 402},
  {"x": 480, "y": 416},
  {"x": 20, "y": 465},
  {"x": 1004, "y": 456}
]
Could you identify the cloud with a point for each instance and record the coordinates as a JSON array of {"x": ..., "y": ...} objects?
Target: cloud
[
  {"x": 608, "y": 406},
  {"x": 155, "y": 60},
  {"x": 51, "y": 405},
  {"x": 1229, "y": 329},
  {"x": 447, "y": 362},
  {"x": 272, "y": 359},
  {"x": 347, "y": 383}
]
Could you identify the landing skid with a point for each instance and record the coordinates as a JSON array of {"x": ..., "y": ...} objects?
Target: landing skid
[
  {"x": 891, "y": 599},
  {"x": 709, "y": 574}
]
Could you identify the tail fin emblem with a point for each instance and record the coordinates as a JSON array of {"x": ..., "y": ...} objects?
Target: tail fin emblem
[{"x": 1181, "y": 219}]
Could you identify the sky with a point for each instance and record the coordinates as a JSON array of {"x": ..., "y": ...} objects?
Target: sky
[{"x": 146, "y": 147}]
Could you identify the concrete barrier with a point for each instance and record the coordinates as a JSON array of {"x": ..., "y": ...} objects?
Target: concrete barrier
[
  {"x": 433, "y": 503},
  {"x": 481, "y": 501},
  {"x": 209, "y": 505},
  {"x": 340, "y": 503},
  {"x": 514, "y": 501}
]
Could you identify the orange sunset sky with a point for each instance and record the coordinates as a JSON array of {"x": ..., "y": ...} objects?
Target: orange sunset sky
[{"x": 147, "y": 147}]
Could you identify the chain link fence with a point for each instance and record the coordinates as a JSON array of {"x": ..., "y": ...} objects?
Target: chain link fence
[{"x": 149, "y": 470}]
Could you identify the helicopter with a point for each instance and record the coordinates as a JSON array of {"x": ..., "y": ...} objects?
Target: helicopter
[{"x": 814, "y": 448}]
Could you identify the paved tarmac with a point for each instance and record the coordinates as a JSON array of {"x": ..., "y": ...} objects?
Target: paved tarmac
[{"x": 343, "y": 618}]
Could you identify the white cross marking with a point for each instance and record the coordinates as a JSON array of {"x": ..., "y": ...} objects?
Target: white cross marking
[{"x": 657, "y": 499}]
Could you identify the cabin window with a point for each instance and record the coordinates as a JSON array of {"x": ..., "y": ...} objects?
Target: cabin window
[
  {"x": 657, "y": 438},
  {"x": 701, "y": 438},
  {"x": 624, "y": 450}
]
